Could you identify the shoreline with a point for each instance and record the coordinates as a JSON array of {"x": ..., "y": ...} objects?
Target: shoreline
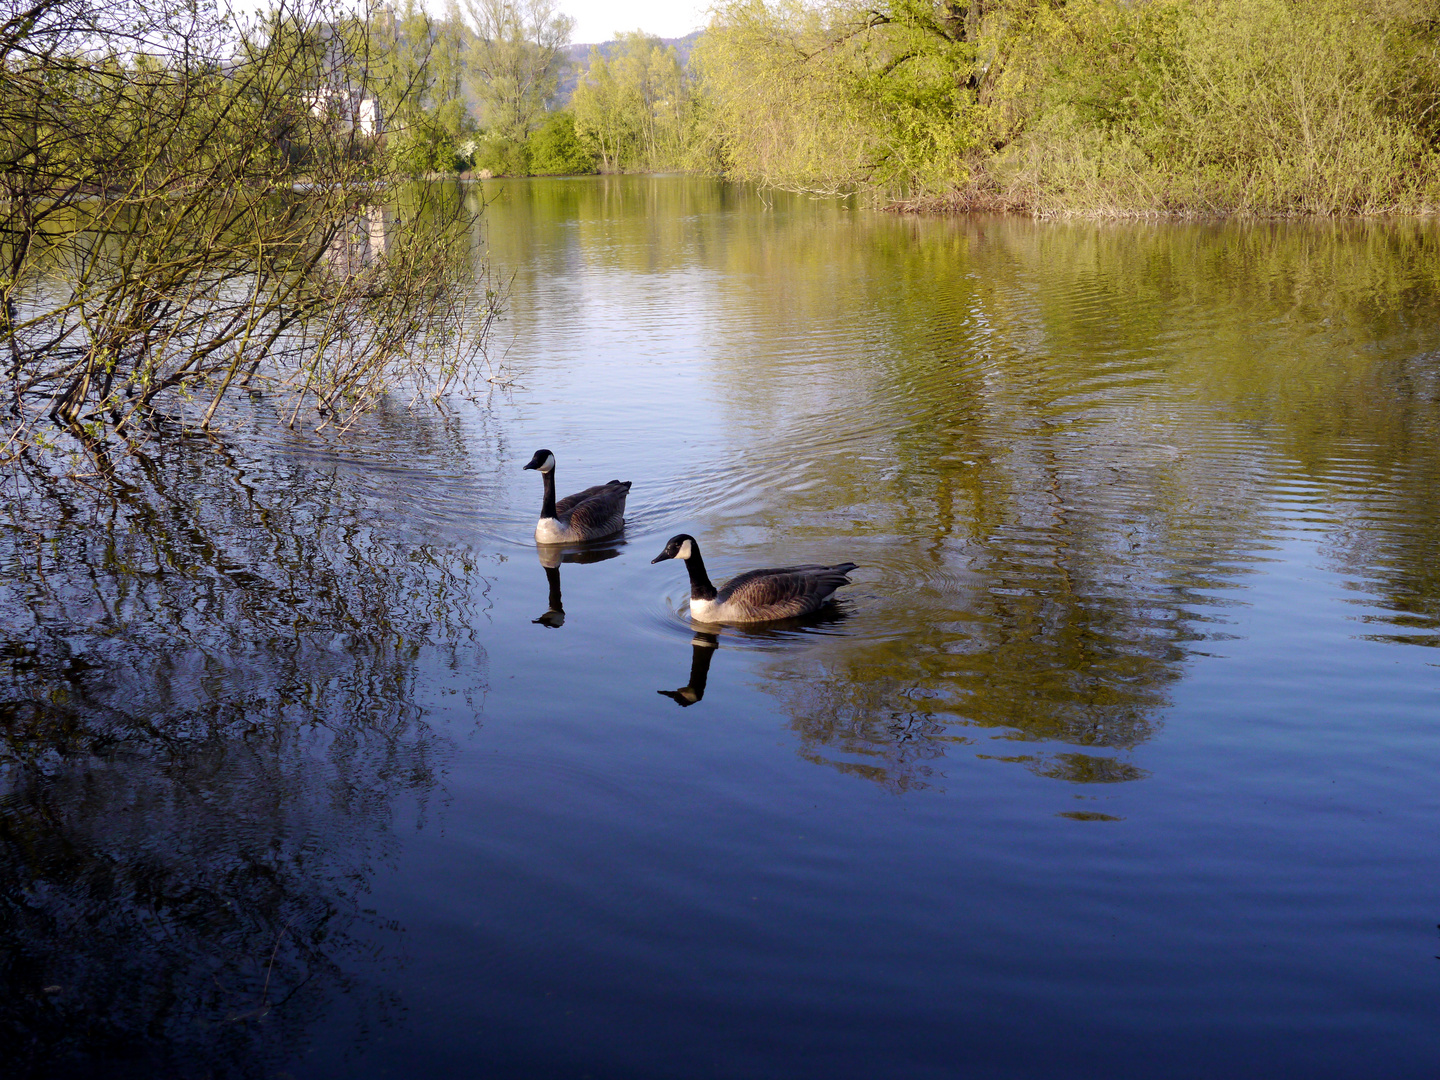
[{"x": 978, "y": 199}]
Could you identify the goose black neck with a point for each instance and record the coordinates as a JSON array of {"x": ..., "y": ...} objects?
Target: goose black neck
[
  {"x": 552, "y": 575},
  {"x": 700, "y": 587},
  {"x": 547, "y": 508}
]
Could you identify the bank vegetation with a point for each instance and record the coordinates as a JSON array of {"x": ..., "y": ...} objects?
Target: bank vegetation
[
  {"x": 1091, "y": 107},
  {"x": 192, "y": 204},
  {"x": 1095, "y": 107}
]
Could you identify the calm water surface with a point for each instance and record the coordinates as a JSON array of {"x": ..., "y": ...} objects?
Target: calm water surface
[{"x": 1119, "y": 758}]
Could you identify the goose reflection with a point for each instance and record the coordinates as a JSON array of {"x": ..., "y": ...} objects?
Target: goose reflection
[
  {"x": 554, "y": 616},
  {"x": 551, "y": 556},
  {"x": 774, "y": 634},
  {"x": 703, "y": 648}
]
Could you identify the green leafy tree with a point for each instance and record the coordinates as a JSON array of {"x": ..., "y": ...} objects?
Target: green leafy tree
[
  {"x": 1089, "y": 106},
  {"x": 515, "y": 59},
  {"x": 1259, "y": 106},
  {"x": 556, "y": 149},
  {"x": 499, "y": 156},
  {"x": 633, "y": 104},
  {"x": 844, "y": 95},
  {"x": 418, "y": 69},
  {"x": 603, "y": 113}
]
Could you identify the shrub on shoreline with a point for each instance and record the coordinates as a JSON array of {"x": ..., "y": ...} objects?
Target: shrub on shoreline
[{"x": 1094, "y": 107}]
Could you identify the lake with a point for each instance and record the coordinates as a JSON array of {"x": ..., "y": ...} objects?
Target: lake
[{"x": 1117, "y": 759}]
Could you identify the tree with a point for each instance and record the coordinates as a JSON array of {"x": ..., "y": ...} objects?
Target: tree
[
  {"x": 601, "y": 113},
  {"x": 843, "y": 95},
  {"x": 633, "y": 104},
  {"x": 418, "y": 67},
  {"x": 556, "y": 150},
  {"x": 203, "y": 216},
  {"x": 515, "y": 60}
]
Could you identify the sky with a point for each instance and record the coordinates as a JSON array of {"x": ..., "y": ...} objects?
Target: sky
[
  {"x": 595, "y": 20},
  {"x": 598, "y": 20}
]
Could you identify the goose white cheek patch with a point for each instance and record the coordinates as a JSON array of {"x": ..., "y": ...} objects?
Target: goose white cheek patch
[
  {"x": 684, "y": 552},
  {"x": 549, "y": 463}
]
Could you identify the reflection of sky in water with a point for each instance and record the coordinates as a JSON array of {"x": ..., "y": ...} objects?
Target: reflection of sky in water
[{"x": 1117, "y": 759}]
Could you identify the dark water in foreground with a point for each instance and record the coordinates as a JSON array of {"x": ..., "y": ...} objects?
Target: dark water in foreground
[{"x": 1119, "y": 759}]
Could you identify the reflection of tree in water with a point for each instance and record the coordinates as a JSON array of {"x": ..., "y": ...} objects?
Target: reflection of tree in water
[
  {"x": 1379, "y": 470},
  {"x": 1043, "y": 586},
  {"x": 1065, "y": 450},
  {"x": 208, "y": 712},
  {"x": 1069, "y": 500},
  {"x": 862, "y": 729}
]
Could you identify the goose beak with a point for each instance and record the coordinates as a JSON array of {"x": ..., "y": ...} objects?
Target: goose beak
[{"x": 661, "y": 557}]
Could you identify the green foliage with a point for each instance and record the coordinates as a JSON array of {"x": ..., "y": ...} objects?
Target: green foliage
[
  {"x": 634, "y": 105},
  {"x": 425, "y": 149},
  {"x": 204, "y": 215},
  {"x": 418, "y": 69},
  {"x": 556, "y": 149},
  {"x": 1261, "y": 106},
  {"x": 432, "y": 141},
  {"x": 515, "y": 56},
  {"x": 1091, "y": 106},
  {"x": 502, "y": 157},
  {"x": 842, "y": 95}
]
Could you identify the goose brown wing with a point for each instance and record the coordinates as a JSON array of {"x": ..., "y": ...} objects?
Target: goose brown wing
[
  {"x": 785, "y": 591},
  {"x": 595, "y": 505},
  {"x": 569, "y": 502}
]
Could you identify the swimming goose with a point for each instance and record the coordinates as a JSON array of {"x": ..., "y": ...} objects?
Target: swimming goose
[
  {"x": 756, "y": 595},
  {"x": 587, "y": 515}
]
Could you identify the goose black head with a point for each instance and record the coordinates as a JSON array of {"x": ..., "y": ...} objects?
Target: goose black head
[
  {"x": 543, "y": 460},
  {"x": 679, "y": 547}
]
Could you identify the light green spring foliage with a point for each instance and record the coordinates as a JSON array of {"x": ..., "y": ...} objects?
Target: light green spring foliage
[
  {"x": 1097, "y": 107},
  {"x": 507, "y": 53},
  {"x": 419, "y": 64},
  {"x": 556, "y": 148},
  {"x": 841, "y": 95},
  {"x": 514, "y": 62},
  {"x": 633, "y": 105},
  {"x": 1203, "y": 106},
  {"x": 1086, "y": 106},
  {"x": 178, "y": 224}
]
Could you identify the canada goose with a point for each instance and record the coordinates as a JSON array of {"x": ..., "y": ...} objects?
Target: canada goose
[
  {"x": 587, "y": 515},
  {"x": 756, "y": 595}
]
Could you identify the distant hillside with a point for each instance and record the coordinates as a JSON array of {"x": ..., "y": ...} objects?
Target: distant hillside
[{"x": 580, "y": 55}]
